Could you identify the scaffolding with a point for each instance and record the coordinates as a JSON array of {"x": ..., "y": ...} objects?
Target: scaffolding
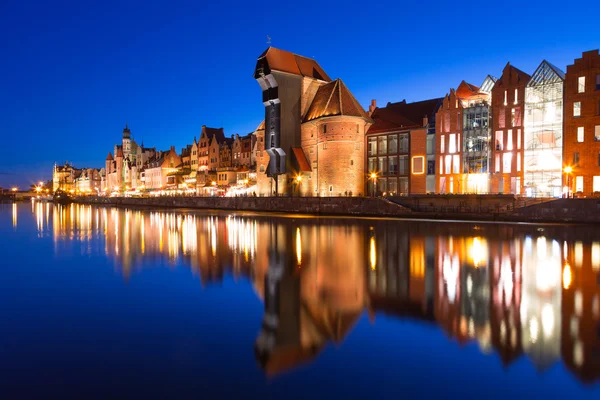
[{"x": 543, "y": 134}]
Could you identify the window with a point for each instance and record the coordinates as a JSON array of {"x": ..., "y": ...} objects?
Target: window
[
  {"x": 579, "y": 184},
  {"x": 597, "y": 133},
  {"x": 403, "y": 143},
  {"x": 577, "y": 109},
  {"x": 418, "y": 167},
  {"x": 372, "y": 164},
  {"x": 403, "y": 165},
  {"x": 518, "y": 163},
  {"x": 392, "y": 186},
  {"x": 393, "y": 165},
  {"x": 509, "y": 141},
  {"x": 505, "y": 97},
  {"x": 330, "y": 188},
  {"x": 576, "y": 158},
  {"x": 382, "y": 144},
  {"x": 506, "y": 162},
  {"x": 351, "y": 162},
  {"x": 324, "y": 146},
  {"x": 518, "y": 139},
  {"x": 430, "y": 144},
  {"x": 324, "y": 128},
  {"x": 382, "y": 166},
  {"x": 499, "y": 140},
  {"x": 452, "y": 143},
  {"x": 393, "y": 144},
  {"x": 596, "y": 182},
  {"x": 448, "y": 168},
  {"x": 497, "y": 163},
  {"x": 598, "y": 82},
  {"x": 516, "y": 96},
  {"x": 372, "y": 146},
  {"x": 456, "y": 164},
  {"x": 442, "y": 163},
  {"x": 501, "y": 118},
  {"x": 581, "y": 84},
  {"x": 442, "y": 143},
  {"x": 430, "y": 165},
  {"x": 403, "y": 185},
  {"x": 580, "y": 134}
]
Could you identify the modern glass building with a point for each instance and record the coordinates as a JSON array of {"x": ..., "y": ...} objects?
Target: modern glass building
[{"x": 543, "y": 135}]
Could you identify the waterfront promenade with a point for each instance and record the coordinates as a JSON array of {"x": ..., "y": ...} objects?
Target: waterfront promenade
[{"x": 501, "y": 208}]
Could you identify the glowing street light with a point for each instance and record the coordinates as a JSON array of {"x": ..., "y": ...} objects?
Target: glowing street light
[
  {"x": 568, "y": 169},
  {"x": 14, "y": 189},
  {"x": 373, "y": 177}
]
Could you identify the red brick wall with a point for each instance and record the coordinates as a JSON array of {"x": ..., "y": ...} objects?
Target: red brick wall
[
  {"x": 510, "y": 80},
  {"x": 448, "y": 120},
  {"x": 588, "y": 66}
]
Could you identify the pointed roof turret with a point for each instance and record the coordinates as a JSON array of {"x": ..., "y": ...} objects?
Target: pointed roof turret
[
  {"x": 126, "y": 131},
  {"x": 109, "y": 157}
]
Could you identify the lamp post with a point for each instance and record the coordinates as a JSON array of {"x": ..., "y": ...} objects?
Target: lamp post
[
  {"x": 373, "y": 177},
  {"x": 298, "y": 183},
  {"x": 568, "y": 171}
]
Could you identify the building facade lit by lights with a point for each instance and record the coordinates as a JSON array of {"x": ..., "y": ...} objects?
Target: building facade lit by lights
[
  {"x": 508, "y": 105},
  {"x": 463, "y": 139},
  {"x": 582, "y": 125},
  {"x": 314, "y": 128},
  {"x": 400, "y": 148},
  {"x": 543, "y": 126}
]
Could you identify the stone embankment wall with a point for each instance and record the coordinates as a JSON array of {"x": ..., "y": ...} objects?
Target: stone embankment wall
[
  {"x": 562, "y": 210},
  {"x": 359, "y": 206}
]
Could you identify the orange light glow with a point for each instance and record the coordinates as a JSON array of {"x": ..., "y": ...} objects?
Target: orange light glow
[{"x": 567, "y": 276}]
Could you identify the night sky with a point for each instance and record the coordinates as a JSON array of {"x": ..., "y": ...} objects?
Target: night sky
[{"x": 73, "y": 73}]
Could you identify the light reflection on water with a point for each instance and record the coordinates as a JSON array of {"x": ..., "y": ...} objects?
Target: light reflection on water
[{"x": 512, "y": 289}]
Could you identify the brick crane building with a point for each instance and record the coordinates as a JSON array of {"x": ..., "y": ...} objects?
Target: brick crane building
[{"x": 314, "y": 129}]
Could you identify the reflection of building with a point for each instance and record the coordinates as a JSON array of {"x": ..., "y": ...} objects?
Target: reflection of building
[
  {"x": 540, "y": 303},
  {"x": 582, "y": 124},
  {"x": 543, "y": 132},
  {"x": 580, "y": 345}
]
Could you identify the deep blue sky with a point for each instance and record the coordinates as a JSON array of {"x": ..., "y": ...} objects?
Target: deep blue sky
[{"x": 73, "y": 72}]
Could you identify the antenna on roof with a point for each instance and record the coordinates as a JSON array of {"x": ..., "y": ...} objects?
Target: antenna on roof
[{"x": 268, "y": 40}]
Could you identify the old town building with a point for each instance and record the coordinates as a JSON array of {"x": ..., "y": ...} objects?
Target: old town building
[
  {"x": 508, "y": 104},
  {"x": 582, "y": 125},
  {"x": 161, "y": 170},
  {"x": 543, "y": 132},
  {"x": 63, "y": 177},
  {"x": 315, "y": 128},
  {"x": 400, "y": 149}
]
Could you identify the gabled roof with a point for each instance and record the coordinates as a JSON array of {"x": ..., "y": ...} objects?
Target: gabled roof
[
  {"x": 465, "y": 90},
  {"x": 488, "y": 84},
  {"x": 511, "y": 70},
  {"x": 302, "y": 163},
  {"x": 214, "y": 132},
  {"x": 546, "y": 73},
  {"x": 334, "y": 99},
  {"x": 403, "y": 115},
  {"x": 285, "y": 61},
  {"x": 109, "y": 157},
  {"x": 119, "y": 151},
  {"x": 261, "y": 127}
]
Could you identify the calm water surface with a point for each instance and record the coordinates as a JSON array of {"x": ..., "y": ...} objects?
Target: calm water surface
[{"x": 102, "y": 302}]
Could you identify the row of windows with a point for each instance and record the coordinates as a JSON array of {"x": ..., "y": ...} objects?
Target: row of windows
[
  {"x": 581, "y": 134},
  {"x": 576, "y": 159},
  {"x": 506, "y": 166},
  {"x": 579, "y": 186},
  {"x": 499, "y": 143},
  {"x": 388, "y": 144}
]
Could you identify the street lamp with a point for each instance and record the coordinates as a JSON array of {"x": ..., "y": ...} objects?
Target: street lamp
[
  {"x": 14, "y": 189},
  {"x": 298, "y": 182},
  {"x": 568, "y": 171},
  {"x": 373, "y": 177}
]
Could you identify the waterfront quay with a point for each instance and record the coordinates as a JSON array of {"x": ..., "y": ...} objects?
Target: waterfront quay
[{"x": 501, "y": 208}]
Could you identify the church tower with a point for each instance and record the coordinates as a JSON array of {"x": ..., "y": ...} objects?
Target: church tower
[{"x": 126, "y": 141}]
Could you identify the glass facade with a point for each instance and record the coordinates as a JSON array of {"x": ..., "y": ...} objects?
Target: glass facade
[
  {"x": 543, "y": 139},
  {"x": 476, "y": 139}
]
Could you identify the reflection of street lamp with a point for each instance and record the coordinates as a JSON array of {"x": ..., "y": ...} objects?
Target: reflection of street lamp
[
  {"x": 568, "y": 171},
  {"x": 373, "y": 177}
]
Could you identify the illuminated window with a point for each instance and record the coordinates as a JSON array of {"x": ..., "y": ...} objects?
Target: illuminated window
[
  {"x": 452, "y": 143},
  {"x": 581, "y": 84},
  {"x": 448, "y": 164},
  {"x": 597, "y": 133},
  {"x": 442, "y": 143},
  {"x": 372, "y": 146},
  {"x": 456, "y": 164},
  {"x": 393, "y": 144},
  {"x": 441, "y": 165},
  {"x": 580, "y": 134},
  {"x": 505, "y": 97},
  {"x": 577, "y": 109},
  {"x": 518, "y": 139},
  {"x": 497, "y": 163},
  {"x": 518, "y": 163},
  {"x": 506, "y": 162},
  {"x": 418, "y": 165},
  {"x": 579, "y": 183},
  {"x": 596, "y": 180},
  {"x": 382, "y": 144},
  {"x": 501, "y": 118},
  {"x": 509, "y": 140},
  {"x": 499, "y": 140}
]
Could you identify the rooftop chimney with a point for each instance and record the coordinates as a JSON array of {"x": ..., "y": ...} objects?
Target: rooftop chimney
[{"x": 372, "y": 107}]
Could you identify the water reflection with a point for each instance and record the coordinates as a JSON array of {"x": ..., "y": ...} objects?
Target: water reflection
[{"x": 515, "y": 290}]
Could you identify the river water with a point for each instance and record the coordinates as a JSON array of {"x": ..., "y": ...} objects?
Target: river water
[{"x": 105, "y": 303}]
